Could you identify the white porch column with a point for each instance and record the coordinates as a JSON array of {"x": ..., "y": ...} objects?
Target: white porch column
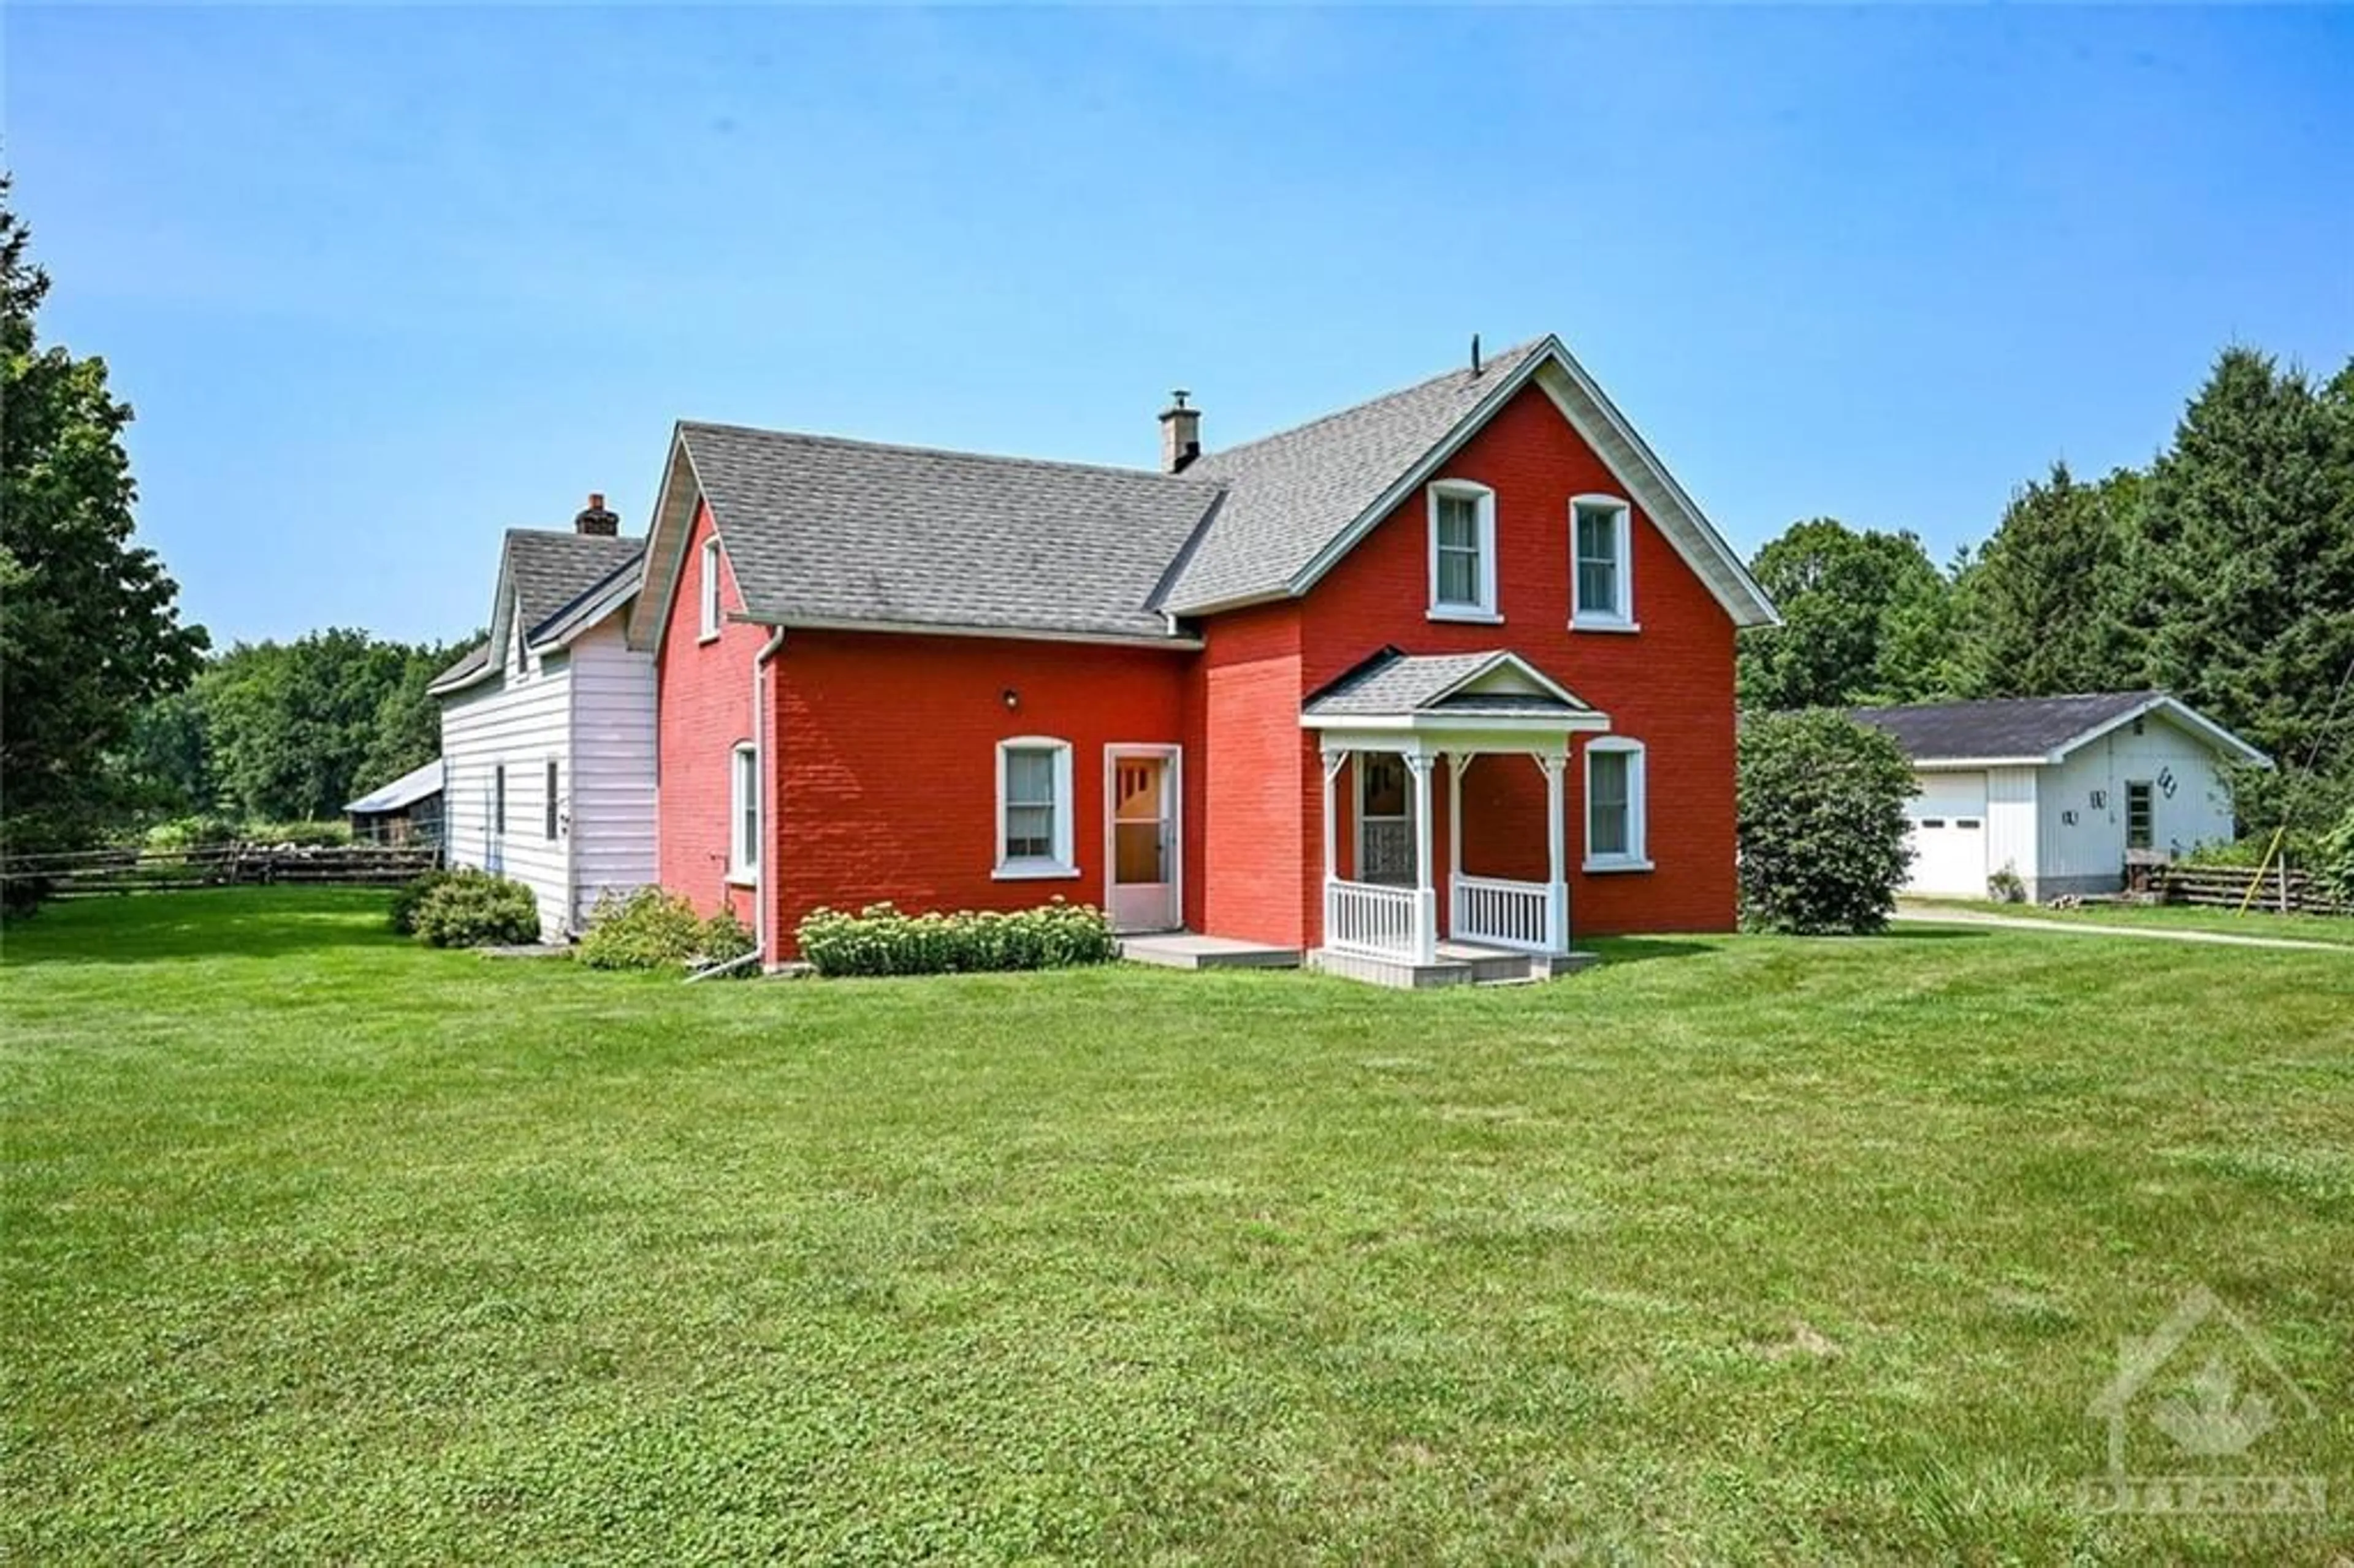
[
  {"x": 1425, "y": 894},
  {"x": 1332, "y": 761},
  {"x": 1458, "y": 763},
  {"x": 1557, "y": 857}
]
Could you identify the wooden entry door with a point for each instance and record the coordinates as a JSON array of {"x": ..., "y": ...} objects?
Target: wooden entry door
[
  {"x": 1384, "y": 825},
  {"x": 1141, "y": 786}
]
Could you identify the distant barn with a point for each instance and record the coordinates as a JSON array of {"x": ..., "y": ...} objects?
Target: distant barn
[{"x": 406, "y": 812}]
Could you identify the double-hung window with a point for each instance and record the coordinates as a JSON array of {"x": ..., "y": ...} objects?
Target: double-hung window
[
  {"x": 1462, "y": 551},
  {"x": 744, "y": 813},
  {"x": 1614, "y": 805},
  {"x": 1033, "y": 807},
  {"x": 708, "y": 587},
  {"x": 1601, "y": 575}
]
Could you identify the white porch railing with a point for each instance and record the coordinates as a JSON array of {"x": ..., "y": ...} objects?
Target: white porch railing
[
  {"x": 1365, "y": 919},
  {"x": 1502, "y": 914}
]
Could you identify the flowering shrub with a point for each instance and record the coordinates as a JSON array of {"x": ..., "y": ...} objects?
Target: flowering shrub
[
  {"x": 651, "y": 929},
  {"x": 880, "y": 940}
]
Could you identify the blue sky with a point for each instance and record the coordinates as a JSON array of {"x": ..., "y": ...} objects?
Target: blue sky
[{"x": 382, "y": 283}]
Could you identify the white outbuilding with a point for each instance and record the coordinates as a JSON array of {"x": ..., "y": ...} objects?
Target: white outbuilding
[
  {"x": 2065, "y": 792},
  {"x": 548, "y": 728}
]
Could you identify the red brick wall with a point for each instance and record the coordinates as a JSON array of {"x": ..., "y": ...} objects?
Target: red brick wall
[
  {"x": 1253, "y": 818},
  {"x": 886, "y": 769},
  {"x": 1668, "y": 685},
  {"x": 704, "y": 694}
]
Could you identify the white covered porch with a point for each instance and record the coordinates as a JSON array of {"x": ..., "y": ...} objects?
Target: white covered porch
[{"x": 1389, "y": 732}]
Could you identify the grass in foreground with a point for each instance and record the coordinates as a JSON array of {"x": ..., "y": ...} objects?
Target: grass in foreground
[
  {"x": 2337, "y": 930},
  {"x": 322, "y": 1246}
]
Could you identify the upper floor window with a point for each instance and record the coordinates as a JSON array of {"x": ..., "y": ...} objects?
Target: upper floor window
[
  {"x": 1602, "y": 565},
  {"x": 1614, "y": 805},
  {"x": 1033, "y": 807},
  {"x": 1462, "y": 551},
  {"x": 709, "y": 588}
]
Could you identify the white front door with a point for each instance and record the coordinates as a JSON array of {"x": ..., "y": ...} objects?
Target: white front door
[
  {"x": 1949, "y": 838},
  {"x": 1141, "y": 790}
]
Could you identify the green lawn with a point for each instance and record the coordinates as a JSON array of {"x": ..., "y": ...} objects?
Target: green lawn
[
  {"x": 2333, "y": 929},
  {"x": 319, "y": 1247}
]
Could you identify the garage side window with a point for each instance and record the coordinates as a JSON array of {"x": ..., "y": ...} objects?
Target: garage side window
[{"x": 2141, "y": 815}]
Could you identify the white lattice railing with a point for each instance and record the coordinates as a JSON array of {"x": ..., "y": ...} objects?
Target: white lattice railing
[
  {"x": 1503, "y": 914},
  {"x": 1364, "y": 919}
]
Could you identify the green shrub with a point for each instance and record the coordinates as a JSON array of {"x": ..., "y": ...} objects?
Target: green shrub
[
  {"x": 300, "y": 834},
  {"x": 471, "y": 908},
  {"x": 651, "y": 929},
  {"x": 410, "y": 896},
  {"x": 2007, "y": 886},
  {"x": 2333, "y": 863},
  {"x": 880, "y": 940},
  {"x": 191, "y": 832},
  {"x": 1822, "y": 823}
]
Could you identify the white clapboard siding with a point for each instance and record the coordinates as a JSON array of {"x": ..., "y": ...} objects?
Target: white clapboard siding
[
  {"x": 525, "y": 722},
  {"x": 612, "y": 785}
]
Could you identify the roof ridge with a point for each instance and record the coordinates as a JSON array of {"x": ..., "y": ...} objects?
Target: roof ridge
[
  {"x": 2136, "y": 693},
  {"x": 1489, "y": 364},
  {"x": 912, "y": 450}
]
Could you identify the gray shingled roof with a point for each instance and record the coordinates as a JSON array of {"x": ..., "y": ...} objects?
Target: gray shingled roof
[
  {"x": 1392, "y": 683},
  {"x": 473, "y": 658},
  {"x": 552, "y": 570},
  {"x": 1292, "y": 493},
  {"x": 823, "y": 529},
  {"x": 2008, "y": 727}
]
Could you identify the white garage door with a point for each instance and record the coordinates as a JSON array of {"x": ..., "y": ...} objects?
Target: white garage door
[{"x": 1949, "y": 834}]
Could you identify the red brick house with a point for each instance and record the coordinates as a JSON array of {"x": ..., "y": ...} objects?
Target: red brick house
[{"x": 1454, "y": 666}]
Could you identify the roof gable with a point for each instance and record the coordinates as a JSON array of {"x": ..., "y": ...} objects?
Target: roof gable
[
  {"x": 547, "y": 578},
  {"x": 1298, "y": 501},
  {"x": 1494, "y": 683}
]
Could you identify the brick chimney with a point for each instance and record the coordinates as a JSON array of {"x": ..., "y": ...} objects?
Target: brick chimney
[
  {"x": 593, "y": 519},
  {"x": 1180, "y": 434}
]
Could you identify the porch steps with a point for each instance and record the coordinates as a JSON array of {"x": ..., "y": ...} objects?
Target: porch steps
[
  {"x": 1187, "y": 951},
  {"x": 1460, "y": 963}
]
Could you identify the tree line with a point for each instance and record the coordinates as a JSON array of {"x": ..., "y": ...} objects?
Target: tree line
[
  {"x": 2224, "y": 571},
  {"x": 290, "y": 731}
]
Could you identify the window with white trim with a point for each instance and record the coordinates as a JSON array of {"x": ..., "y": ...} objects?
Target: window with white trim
[
  {"x": 1602, "y": 572},
  {"x": 1614, "y": 805},
  {"x": 1033, "y": 807},
  {"x": 1462, "y": 551},
  {"x": 708, "y": 588},
  {"x": 744, "y": 813}
]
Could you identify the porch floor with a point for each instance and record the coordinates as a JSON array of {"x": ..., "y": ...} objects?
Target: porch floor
[{"x": 1189, "y": 950}]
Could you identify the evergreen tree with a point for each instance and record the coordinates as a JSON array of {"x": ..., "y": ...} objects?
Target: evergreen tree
[
  {"x": 2249, "y": 530},
  {"x": 2054, "y": 603}
]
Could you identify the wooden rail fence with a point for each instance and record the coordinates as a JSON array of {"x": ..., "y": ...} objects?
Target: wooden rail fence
[
  {"x": 222, "y": 865},
  {"x": 2278, "y": 889}
]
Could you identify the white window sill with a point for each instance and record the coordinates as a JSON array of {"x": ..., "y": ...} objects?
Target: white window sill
[
  {"x": 703, "y": 637},
  {"x": 739, "y": 877},
  {"x": 1616, "y": 862},
  {"x": 1468, "y": 614},
  {"x": 1034, "y": 871},
  {"x": 1602, "y": 623}
]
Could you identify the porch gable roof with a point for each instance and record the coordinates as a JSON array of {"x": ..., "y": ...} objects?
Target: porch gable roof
[{"x": 1403, "y": 688}]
